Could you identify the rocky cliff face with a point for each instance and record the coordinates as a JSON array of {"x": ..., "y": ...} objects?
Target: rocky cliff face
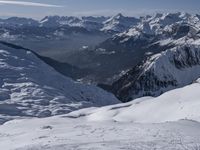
[{"x": 173, "y": 68}]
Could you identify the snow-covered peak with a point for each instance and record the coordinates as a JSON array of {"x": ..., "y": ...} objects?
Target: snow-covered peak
[
  {"x": 161, "y": 23},
  {"x": 119, "y": 23},
  {"x": 172, "y": 26},
  {"x": 118, "y": 16}
]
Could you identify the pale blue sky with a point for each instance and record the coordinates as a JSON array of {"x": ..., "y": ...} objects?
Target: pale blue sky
[{"x": 41, "y": 8}]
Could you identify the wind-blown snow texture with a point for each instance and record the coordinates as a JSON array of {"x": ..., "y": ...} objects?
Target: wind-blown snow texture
[
  {"x": 29, "y": 87},
  {"x": 60, "y": 133}
]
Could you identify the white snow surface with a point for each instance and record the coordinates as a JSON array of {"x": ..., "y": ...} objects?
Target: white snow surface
[
  {"x": 60, "y": 133},
  {"x": 182, "y": 103},
  {"x": 168, "y": 122},
  {"x": 29, "y": 87}
]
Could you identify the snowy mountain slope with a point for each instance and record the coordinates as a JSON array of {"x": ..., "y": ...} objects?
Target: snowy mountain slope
[
  {"x": 29, "y": 87},
  {"x": 168, "y": 122},
  {"x": 63, "y": 68},
  {"x": 175, "y": 67},
  {"x": 182, "y": 103}
]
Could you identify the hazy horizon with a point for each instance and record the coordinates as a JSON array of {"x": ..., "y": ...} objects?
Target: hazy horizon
[
  {"x": 37, "y": 9},
  {"x": 79, "y": 16}
]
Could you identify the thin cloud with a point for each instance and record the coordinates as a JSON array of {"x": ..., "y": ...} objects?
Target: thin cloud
[{"x": 23, "y": 3}]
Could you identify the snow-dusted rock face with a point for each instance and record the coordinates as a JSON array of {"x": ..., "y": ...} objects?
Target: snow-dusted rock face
[
  {"x": 161, "y": 23},
  {"x": 175, "y": 67},
  {"x": 29, "y": 87},
  {"x": 160, "y": 26}
]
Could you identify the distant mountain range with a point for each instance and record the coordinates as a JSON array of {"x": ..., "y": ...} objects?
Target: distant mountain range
[
  {"x": 131, "y": 57},
  {"x": 116, "y": 23},
  {"x": 62, "y": 34}
]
